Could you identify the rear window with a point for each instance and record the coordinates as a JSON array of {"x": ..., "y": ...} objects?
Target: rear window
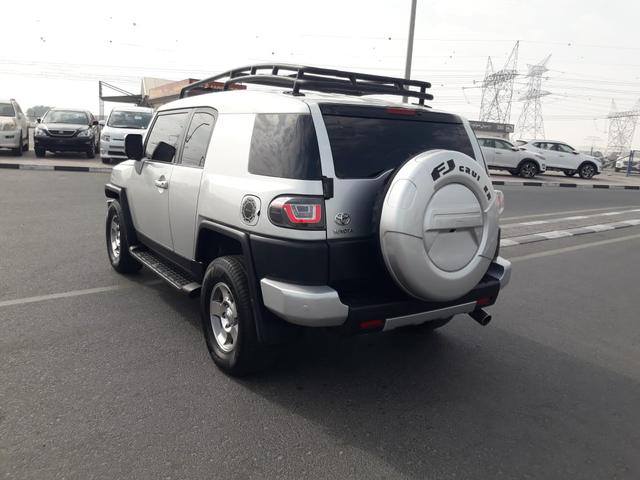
[
  {"x": 285, "y": 145},
  {"x": 367, "y": 147}
]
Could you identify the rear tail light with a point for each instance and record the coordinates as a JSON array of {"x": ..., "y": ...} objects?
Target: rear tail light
[
  {"x": 371, "y": 324},
  {"x": 401, "y": 111},
  {"x": 483, "y": 302},
  {"x": 298, "y": 212}
]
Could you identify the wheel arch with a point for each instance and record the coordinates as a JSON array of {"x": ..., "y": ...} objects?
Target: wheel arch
[
  {"x": 585, "y": 162},
  {"x": 214, "y": 240},
  {"x": 528, "y": 159},
  {"x": 114, "y": 192}
]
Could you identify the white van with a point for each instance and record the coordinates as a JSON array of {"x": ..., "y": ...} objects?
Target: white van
[{"x": 120, "y": 123}]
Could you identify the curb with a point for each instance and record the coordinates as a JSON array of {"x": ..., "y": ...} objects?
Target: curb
[
  {"x": 565, "y": 185},
  {"x": 58, "y": 168},
  {"x": 572, "y": 232}
]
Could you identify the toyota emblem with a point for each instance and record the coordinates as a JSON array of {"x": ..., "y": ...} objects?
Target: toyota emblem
[{"x": 343, "y": 219}]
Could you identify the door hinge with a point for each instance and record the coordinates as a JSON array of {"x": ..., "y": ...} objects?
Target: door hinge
[{"x": 327, "y": 187}]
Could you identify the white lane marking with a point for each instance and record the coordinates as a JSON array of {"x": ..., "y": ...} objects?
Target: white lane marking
[
  {"x": 535, "y": 222},
  {"x": 632, "y": 222},
  {"x": 555, "y": 234},
  {"x": 564, "y": 219},
  {"x": 505, "y": 242},
  {"x": 569, "y": 212},
  {"x": 558, "y": 251},
  {"x": 600, "y": 228},
  {"x": 72, "y": 293}
]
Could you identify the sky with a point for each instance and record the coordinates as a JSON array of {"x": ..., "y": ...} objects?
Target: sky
[{"x": 59, "y": 50}]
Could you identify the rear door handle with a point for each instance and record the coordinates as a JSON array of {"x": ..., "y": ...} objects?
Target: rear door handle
[{"x": 162, "y": 184}]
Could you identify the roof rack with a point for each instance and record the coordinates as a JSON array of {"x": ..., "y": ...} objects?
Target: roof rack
[{"x": 300, "y": 77}]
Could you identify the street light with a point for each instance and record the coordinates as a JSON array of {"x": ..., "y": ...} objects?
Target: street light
[{"x": 412, "y": 24}]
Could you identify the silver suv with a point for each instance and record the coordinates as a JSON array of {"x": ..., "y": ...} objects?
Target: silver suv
[
  {"x": 308, "y": 204},
  {"x": 14, "y": 127}
]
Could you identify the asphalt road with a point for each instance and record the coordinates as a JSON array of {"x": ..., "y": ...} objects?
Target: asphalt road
[{"x": 116, "y": 382}]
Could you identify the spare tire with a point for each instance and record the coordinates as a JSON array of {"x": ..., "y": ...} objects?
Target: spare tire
[{"x": 438, "y": 227}]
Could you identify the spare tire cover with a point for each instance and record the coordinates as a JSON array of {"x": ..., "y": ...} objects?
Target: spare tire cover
[{"x": 439, "y": 225}]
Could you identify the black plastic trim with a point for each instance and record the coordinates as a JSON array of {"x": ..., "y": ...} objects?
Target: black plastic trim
[
  {"x": 301, "y": 262},
  {"x": 372, "y": 308},
  {"x": 269, "y": 328},
  {"x": 120, "y": 194},
  {"x": 188, "y": 267}
]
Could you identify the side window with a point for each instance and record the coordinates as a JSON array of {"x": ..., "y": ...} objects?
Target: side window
[
  {"x": 502, "y": 145},
  {"x": 565, "y": 148},
  {"x": 285, "y": 145},
  {"x": 165, "y": 135},
  {"x": 541, "y": 145},
  {"x": 196, "y": 143}
]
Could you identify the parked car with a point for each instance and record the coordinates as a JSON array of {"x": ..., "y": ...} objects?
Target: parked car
[
  {"x": 67, "y": 130},
  {"x": 562, "y": 157},
  {"x": 503, "y": 155},
  {"x": 287, "y": 208},
  {"x": 622, "y": 164},
  {"x": 14, "y": 127},
  {"x": 120, "y": 123}
]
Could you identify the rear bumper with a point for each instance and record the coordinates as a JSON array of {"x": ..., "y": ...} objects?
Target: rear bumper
[
  {"x": 9, "y": 138},
  {"x": 322, "y": 306}
]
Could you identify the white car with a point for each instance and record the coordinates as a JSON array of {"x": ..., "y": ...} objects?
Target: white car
[
  {"x": 14, "y": 127},
  {"x": 623, "y": 163},
  {"x": 121, "y": 122},
  {"x": 503, "y": 155},
  {"x": 564, "y": 158}
]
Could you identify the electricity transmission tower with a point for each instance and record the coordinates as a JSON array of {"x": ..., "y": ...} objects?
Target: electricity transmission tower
[
  {"x": 497, "y": 89},
  {"x": 622, "y": 126},
  {"x": 531, "y": 124}
]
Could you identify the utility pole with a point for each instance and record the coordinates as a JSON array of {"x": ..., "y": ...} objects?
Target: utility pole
[
  {"x": 622, "y": 126},
  {"x": 412, "y": 26},
  {"x": 497, "y": 89},
  {"x": 531, "y": 124}
]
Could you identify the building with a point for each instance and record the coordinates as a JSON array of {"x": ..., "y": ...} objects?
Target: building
[{"x": 492, "y": 129}]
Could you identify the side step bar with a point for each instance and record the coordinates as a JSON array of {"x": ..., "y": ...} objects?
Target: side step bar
[{"x": 166, "y": 271}]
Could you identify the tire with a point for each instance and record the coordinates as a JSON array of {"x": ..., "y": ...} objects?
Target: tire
[
  {"x": 96, "y": 149},
  {"x": 91, "y": 153},
  {"x": 106, "y": 161},
  {"x": 116, "y": 235},
  {"x": 587, "y": 170},
  {"x": 569, "y": 173},
  {"x": 40, "y": 152},
  {"x": 528, "y": 169},
  {"x": 617, "y": 170},
  {"x": 233, "y": 347},
  {"x": 426, "y": 327},
  {"x": 25, "y": 147},
  {"x": 18, "y": 151},
  {"x": 513, "y": 172}
]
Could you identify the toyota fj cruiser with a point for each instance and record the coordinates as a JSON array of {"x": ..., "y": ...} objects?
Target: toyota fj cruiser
[{"x": 308, "y": 204}]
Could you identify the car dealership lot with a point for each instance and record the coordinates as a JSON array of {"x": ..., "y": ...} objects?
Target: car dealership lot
[{"x": 108, "y": 377}]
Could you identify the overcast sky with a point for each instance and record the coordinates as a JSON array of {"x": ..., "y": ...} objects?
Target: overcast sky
[{"x": 55, "y": 52}]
